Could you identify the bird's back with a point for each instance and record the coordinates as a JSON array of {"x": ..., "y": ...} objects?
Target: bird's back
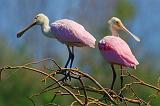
[
  {"x": 116, "y": 51},
  {"x": 72, "y": 33}
]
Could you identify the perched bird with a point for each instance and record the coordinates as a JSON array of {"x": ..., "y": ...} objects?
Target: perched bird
[
  {"x": 66, "y": 31},
  {"x": 115, "y": 50}
]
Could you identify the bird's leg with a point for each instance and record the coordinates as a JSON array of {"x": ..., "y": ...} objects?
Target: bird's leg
[
  {"x": 113, "y": 81},
  {"x": 69, "y": 58},
  {"x": 72, "y": 57},
  {"x": 121, "y": 77},
  {"x": 114, "y": 76}
]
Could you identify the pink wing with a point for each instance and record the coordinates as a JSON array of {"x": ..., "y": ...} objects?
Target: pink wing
[
  {"x": 72, "y": 33},
  {"x": 116, "y": 51}
]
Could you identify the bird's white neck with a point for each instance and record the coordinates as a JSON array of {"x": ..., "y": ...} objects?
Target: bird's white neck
[
  {"x": 46, "y": 29},
  {"x": 114, "y": 32}
]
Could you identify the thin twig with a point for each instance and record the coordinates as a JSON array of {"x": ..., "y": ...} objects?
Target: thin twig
[
  {"x": 84, "y": 89},
  {"x": 93, "y": 80},
  {"x": 90, "y": 99},
  {"x": 53, "y": 98},
  {"x": 37, "y": 62},
  {"x": 43, "y": 73},
  {"x": 44, "y": 91},
  {"x": 31, "y": 101},
  {"x": 85, "y": 98}
]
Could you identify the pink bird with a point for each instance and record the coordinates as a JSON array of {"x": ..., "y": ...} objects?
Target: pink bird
[
  {"x": 66, "y": 31},
  {"x": 115, "y": 50}
]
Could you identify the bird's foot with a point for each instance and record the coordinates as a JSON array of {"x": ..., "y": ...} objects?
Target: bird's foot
[
  {"x": 66, "y": 77},
  {"x": 121, "y": 96},
  {"x": 105, "y": 97}
]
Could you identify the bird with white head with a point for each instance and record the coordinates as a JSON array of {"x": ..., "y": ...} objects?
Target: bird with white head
[
  {"x": 116, "y": 24},
  {"x": 66, "y": 31},
  {"x": 115, "y": 50}
]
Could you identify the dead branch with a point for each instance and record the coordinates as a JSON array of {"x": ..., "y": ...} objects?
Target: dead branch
[{"x": 64, "y": 88}]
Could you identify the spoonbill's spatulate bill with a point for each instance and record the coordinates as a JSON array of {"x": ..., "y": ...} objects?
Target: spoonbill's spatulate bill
[
  {"x": 115, "y": 50},
  {"x": 66, "y": 31}
]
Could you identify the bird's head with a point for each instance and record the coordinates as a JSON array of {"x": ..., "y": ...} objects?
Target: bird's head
[
  {"x": 39, "y": 19},
  {"x": 116, "y": 24}
]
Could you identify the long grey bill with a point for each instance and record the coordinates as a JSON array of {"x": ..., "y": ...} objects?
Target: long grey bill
[
  {"x": 134, "y": 36},
  {"x": 19, "y": 34}
]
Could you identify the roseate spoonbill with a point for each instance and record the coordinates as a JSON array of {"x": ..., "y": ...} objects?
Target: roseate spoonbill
[
  {"x": 66, "y": 31},
  {"x": 115, "y": 50}
]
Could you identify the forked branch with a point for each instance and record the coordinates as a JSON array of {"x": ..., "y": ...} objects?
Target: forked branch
[{"x": 82, "y": 94}]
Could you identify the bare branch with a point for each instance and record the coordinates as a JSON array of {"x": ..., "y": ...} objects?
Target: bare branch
[{"x": 63, "y": 88}]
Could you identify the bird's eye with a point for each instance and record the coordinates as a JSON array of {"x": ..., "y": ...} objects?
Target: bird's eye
[
  {"x": 116, "y": 22},
  {"x": 36, "y": 17}
]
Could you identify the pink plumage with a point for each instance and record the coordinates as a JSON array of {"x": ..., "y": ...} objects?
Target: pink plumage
[
  {"x": 72, "y": 33},
  {"x": 68, "y": 32},
  {"x": 116, "y": 51}
]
